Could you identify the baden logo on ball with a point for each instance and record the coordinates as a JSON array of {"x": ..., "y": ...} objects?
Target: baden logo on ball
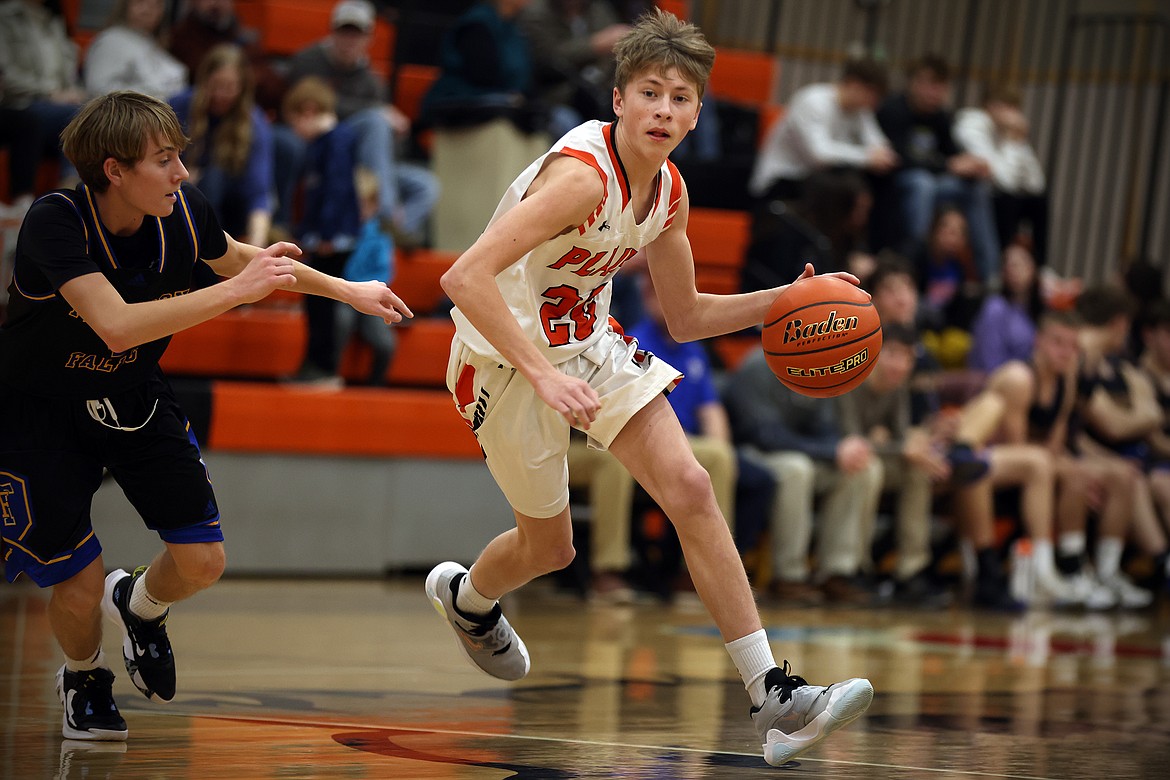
[{"x": 822, "y": 336}]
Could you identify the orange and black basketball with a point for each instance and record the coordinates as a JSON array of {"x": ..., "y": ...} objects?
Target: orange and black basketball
[{"x": 822, "y": 336}]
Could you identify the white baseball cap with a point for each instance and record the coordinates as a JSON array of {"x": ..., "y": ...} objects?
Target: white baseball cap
[{"x": 353, "y": 13}]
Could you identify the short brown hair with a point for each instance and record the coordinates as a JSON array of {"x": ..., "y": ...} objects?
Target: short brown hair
[
  {"x": 311, "y": 90},
  {"x": 119, "y": 125},
  {"x": 931, "y": 64},
  {"x": 869, "y": 72},
  {"x": 660, "y": 41}
]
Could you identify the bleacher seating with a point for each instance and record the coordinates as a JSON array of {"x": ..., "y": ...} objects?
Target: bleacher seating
[{"x": 244, "y": 351}]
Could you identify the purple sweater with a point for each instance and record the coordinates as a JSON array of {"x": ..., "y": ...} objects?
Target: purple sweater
[{"x": 1002, "y": 331}]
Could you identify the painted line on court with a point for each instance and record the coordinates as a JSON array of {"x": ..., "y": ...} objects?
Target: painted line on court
[{"x": 585, "y": 742}]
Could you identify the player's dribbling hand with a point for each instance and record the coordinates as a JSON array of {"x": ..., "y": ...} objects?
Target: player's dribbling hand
[
  {"x": 842, "y": 275},
  {"x": 576, "y": 401},
  {"x": 270, "y": 269},
  {"x": 379, "y": 300}
]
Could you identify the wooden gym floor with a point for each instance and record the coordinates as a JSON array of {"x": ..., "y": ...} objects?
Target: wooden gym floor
[{"x": 290, "y": 679}]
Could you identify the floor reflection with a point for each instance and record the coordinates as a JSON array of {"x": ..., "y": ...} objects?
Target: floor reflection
[{"x": 357, "y": 679}]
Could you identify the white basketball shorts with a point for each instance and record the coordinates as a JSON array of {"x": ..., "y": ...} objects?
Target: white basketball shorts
[{"x": 524, "y": 441}]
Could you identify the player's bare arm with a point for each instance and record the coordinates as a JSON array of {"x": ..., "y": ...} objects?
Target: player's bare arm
[
  {"x": 690, "y": 314},
  {"x": 562, "y": 196},
  {"x": 1122, "y": 421},
  {"x": 123, "y": 325},
  {"x": 367, "y": 297}
]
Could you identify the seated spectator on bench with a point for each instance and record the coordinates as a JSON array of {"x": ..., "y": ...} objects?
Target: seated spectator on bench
[
  {"x": 998, "y": 132},
  {"x": 130, "y": 53},
  {"x": 38, "y": 83},
  {"x": 933, "y": 170},
  {"x": 230, "y": 157},
  {"x": 825, "y": 126},
  {"x": 487, "y": 72},
  {"x": 1005, "y": 327},
  {"x": 827, "y": 227},
  {"x": 407, "y": 191},
  {"x": 572, "y": 55}
]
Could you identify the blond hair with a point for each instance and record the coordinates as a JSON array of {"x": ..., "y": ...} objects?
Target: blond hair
[
  {"x": 118, "y": 125},
  {"x": 231, "y": 143},
  {"x": 659, "y": 41},
  {"x": 310, "y": 91}
]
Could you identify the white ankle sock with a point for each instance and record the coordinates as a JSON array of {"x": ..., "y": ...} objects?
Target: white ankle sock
[
  {"x": 1044, "y": 558},
  {"x": 97, "y": 662},
  {"x": 470, "y": 601},
  {"x": 753, "y": 658},
  {"x": 143, "y": 604},
  {"x": 1071, "y": 543},
  {"x": 1109, "y": 551}
]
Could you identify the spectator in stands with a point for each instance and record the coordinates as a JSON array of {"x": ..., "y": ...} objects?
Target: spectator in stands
[
  {"x": 206, "y": 24},
  {"x": 991, "y": 423},
  {"x": 933, "y": 170},
  {"x": 408, "y": 191},
  {"x": 1119, "y": 411},
  {"x": 38, "y": 74},
  {"x": 131, "y": 53},
  {"x": 801, "y": 441},
  {"x": 487, "y": 71},
  {"x": 825, "y": 126},
  {"x": 331, "y": 220},
  {"x": 106, "y": 278},
  {"x": 372, "y": 260},
  {"x": 572, "y": 57},
  {"x": 1155, "y": 362},
  {"x": 948, "y": 282},
  {"x": 997, "y": 132},
  {"x": 1036, "y": 403},
  {"x": 825, "y": 227},
  {"x": 894, "y": 292},
  {"x": 1005, "y": 327},
  {"x": 910, "y": 460},
  {"x": 230, "y": 156}
]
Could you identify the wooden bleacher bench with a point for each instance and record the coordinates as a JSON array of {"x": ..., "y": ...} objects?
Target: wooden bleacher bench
[
  {"x": 719, "y": 239},
  {"x": 264, "y": 417},
  {"x": 269, "y": 343},
  {"x": 743, "y": 76}
]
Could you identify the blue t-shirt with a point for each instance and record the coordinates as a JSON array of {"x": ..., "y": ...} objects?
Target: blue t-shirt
[{"x": 698, "y": 388}]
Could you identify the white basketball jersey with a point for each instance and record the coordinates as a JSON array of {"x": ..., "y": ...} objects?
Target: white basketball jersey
[{"x": 560, "y": 291}]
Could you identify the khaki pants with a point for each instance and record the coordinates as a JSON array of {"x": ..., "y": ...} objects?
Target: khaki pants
[
  {"x": 911, "y": 519},
  {"x": 800, "y": 480}
]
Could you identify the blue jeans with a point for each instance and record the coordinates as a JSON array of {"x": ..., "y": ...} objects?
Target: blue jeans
[{"x": 922, "y": 192}]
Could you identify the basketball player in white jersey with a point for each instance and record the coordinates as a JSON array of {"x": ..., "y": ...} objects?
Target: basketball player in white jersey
[{"x": 535, "y": 354}]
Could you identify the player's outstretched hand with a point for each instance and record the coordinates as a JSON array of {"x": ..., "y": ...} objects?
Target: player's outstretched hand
[
  {"x": 379, "y": 300},
  {"x": 271, "y": 268},
  {"x": 576, "y": 401}
]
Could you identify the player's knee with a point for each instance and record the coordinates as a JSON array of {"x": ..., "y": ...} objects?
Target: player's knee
[
  {"x": 77, "y": 599},
  {"x": 1039, "y": 466},
  {"x": 691, "y": 487},
  {"x": 557, "y": 556},
  {"x": 201, "y": 565}
]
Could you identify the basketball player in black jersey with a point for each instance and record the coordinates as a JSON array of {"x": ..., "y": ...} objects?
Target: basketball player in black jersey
[{"x": 104, "y": 275}]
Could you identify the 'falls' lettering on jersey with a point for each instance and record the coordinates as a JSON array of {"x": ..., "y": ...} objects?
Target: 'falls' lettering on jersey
[
  {"x": 104, "y": 363},
  {"x": 590, "y": 264}
]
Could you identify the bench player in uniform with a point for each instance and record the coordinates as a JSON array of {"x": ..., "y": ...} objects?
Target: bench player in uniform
[
  {"x": 535, "y": 354},
  {"x": 104, "y": 275}
]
